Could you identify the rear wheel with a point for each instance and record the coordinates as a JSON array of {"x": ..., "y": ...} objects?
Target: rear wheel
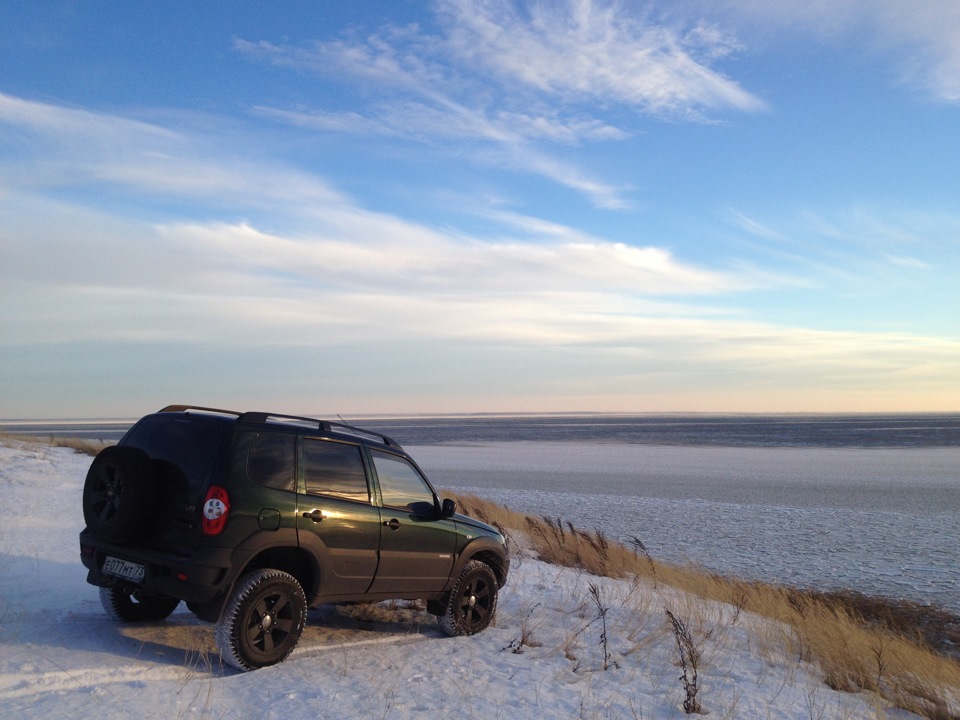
[
  {"x": 132, "y": 604},
  {"x": 473, "y": 600},
  {"x": 262, "y": 621},
  {"x": 119, "y": 493}
]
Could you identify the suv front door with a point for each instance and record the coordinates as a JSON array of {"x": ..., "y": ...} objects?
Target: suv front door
[{"x": 416, "y": 544}]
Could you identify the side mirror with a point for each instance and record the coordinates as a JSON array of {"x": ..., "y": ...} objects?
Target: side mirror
[{"x": 448, "y": 508}]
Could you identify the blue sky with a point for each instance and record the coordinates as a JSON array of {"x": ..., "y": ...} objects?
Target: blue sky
[{"x": 406, "y": 207}]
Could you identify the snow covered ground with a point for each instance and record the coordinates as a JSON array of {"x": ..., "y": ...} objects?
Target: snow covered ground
[{"x": 60, "y": 657}]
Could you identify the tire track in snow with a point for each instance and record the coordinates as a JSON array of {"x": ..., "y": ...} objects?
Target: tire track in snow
[{"x": 30, "y": 683}]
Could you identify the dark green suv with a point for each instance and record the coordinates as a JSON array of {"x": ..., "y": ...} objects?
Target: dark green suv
[{"x": 251, "y": 518}]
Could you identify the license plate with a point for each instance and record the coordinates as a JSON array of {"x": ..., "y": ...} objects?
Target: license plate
[{"x": 123, "y": 569}]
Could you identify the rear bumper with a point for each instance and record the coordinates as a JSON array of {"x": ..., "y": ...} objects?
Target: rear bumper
[{"x": 166, "y": 574}]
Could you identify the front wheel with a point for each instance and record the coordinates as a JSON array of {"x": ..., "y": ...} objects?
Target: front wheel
[
  {"x": 472, "y": 602},
  {"x": 262, "y": 621},
  {"x": 131, "y": 604}
]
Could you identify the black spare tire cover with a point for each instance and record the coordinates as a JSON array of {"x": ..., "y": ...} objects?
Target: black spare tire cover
[{"x": 119, "y": 494}]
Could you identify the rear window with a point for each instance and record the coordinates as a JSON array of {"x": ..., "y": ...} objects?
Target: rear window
[{"x": 183, "y": 447}]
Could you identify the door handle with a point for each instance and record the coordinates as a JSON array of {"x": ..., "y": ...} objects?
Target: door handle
[
  {"x": 316, "y": 516},
  {"x": 392, "y": 524}
]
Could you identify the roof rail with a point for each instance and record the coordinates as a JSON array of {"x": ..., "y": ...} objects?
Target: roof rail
[
  {"x": 187, "y": 408},
  {"x": 325, "y": 425},
  {"x": 354, "y": 430}
]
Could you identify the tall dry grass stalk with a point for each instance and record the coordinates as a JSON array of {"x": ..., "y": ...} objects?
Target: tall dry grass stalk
[
  {"x": 895, "y": 649},
  {"x": 689, "y": 663}
]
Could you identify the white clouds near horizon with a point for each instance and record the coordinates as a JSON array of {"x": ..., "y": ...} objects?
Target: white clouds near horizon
[
  {"x": 232, "y": 286},
  {"x": 356, "y": 252}
]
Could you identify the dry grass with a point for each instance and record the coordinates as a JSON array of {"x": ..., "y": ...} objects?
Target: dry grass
[
  {"x": 898, "y": 650},
  {"x": 408, "y": 612},
  {"x": 80, "y": 445}
]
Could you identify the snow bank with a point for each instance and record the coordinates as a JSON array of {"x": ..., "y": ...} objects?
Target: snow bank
[{"x": 61, "y": 657}]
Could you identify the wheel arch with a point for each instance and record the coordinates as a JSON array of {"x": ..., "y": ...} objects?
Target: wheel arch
[
  {"x": 496, "y": 563},
  {"x": 291, "y": 559},
  {"x": 487, "y": 551}
]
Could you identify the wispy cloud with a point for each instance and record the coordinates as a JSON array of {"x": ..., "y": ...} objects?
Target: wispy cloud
[
  {"x": 574, "y": 53},
  {"x": 78, "y": 125},
  {"x": 70, "y": 259},
  {"x": 356, "y": 259},
  {"x": 861, "y": 245},
  {"x": 920, "y": 40},
  {"x": 317, "y": 270},
  {"x": 76, "y": 148},
  {"x": 755, "y": 227},
  {"x": 589, "y": 51},
  {"x": 908, "y": 262},
  {"x": 516, "y": 76}
]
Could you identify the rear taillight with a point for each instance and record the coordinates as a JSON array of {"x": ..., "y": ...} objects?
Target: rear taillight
[{"x": 216, "y": 508}]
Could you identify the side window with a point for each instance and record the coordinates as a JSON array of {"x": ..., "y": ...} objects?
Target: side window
[
  {"x": 271, "y": 461},
  {"x": 401, "y": 485},
  {"x": 333, "y": 468}
]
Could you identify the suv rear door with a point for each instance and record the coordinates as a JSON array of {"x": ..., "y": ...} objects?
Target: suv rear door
[
  {"x": 183, "y": 449},
  {"x": 334, "y": 510}
]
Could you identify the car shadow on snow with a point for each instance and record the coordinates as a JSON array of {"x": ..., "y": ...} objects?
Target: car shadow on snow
[
  {"x": 185, "y": 641},
  {"x": 46, "y": 604}
]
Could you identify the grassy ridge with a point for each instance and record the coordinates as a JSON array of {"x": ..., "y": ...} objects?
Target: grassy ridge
[{"x": 899, "y": 650}]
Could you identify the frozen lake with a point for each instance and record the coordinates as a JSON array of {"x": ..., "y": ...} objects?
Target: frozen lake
[
  {"x": 880, "y": 520},
  {"x": 868, "y": 502}
]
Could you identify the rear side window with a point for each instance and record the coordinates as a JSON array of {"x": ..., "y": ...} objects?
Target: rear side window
[
  {"x": 334, "y": 468},
  {"x": 272, "y": 461}
]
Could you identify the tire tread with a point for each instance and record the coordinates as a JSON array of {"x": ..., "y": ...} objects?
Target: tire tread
[
  {"x": 119, "y": 606},
  {"x": 228, "y": 626},
  {"x": 451, "y": 622}
]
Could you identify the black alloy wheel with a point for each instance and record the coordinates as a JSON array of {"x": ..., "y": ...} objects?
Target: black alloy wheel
[
  {"x": 262, "y": 621},
  {"x": 473, "y": 601}
]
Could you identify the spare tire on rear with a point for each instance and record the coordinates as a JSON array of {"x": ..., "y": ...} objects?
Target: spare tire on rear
[{"x": 119, "y": 494}]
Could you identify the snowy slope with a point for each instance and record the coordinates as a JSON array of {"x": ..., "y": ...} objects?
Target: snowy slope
[{"x": 61, "y": 657}]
